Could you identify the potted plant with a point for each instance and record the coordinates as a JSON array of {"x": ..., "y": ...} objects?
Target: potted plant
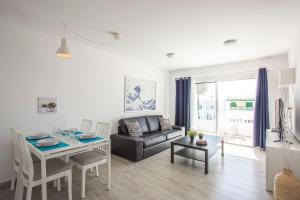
[
  {"x": 200, "y": 134},
  {"x": 192, "y": 134}
]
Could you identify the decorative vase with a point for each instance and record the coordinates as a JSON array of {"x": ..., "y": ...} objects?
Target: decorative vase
[
  {"x": 192, "y": 139},
  {"x": 286, "y": 186},
  {"x": 200, "y": 137}
]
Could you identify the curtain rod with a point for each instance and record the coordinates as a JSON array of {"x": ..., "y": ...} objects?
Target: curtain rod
[
  {"x": 238, "y": 72},
  {"x": 182, "y": 78},
  {"x": 248, "y": 71}
]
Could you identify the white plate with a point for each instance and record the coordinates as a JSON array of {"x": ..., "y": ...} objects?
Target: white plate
[
  {"x": 88, "y": 136},
  {"x": 38, "y": 136},
  {"x": 47, "y": 142}
]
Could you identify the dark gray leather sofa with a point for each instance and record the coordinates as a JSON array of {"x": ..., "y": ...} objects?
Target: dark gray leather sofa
[{"x": 153, "y": 140}]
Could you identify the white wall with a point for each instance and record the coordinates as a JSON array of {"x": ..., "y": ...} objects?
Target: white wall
[
  {"x": 90, "y": 85},
  {"x": 294, "y": 61},
  {"x": 234, "y": 71}
]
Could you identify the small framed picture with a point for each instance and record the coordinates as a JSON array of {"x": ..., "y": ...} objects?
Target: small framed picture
[{"x": 47, "y": 105}]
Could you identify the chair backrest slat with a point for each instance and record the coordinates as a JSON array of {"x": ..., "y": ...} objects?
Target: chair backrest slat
[
  {"x": 86, "y": 125},
  {"x": 103, "y": 129}
]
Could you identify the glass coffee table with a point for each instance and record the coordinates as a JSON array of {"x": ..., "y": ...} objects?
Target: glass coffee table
[{"x": 198, "y": 152}]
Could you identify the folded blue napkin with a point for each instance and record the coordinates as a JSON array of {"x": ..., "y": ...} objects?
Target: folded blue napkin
[
  {"x": 79, "y": 132},
  {"x": 90, "y": 140}
]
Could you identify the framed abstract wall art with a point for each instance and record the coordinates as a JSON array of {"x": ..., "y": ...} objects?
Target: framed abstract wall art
[{"x": 140, "y": 95}]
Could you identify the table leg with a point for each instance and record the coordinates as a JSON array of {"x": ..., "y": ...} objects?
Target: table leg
[
  {"x": 172, "y": 152},
  {"x": 206, "y": 162},
  {"x": 108, "y": 166},
  {"x": 67, "y": 160},
  {"x": 44, "y": 182},
  {"x": 222, "y": 147}
]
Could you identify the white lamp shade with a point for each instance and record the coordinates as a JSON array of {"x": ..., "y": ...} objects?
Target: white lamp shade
[
  {"x": 286, "y": 77},
  {"x": 63, "y": 51}
]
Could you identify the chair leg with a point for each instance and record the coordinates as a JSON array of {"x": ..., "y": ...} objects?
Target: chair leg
[
  {"x": 70, "y": 185},
  {"x": 17, "y": 191},
  {"x": 13, "y": 181},
  {"x": 58, "y": 184},
  {"x": 97, "y": 171},
  {"x": 54, "y": 184},
  {"x": 21, "y": 190},
  {"x": 83, "y": 183},
  {"x": 29, "y": 192}
]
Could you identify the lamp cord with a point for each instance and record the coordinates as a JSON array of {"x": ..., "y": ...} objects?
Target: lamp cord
[{"x": 85, "y": 38}]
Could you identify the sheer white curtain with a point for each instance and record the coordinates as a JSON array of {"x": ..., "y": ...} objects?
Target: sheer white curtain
[{"x": 193, "y": 102}]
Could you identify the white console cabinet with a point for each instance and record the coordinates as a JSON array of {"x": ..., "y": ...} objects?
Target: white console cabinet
[{"x": 274, "y": 158}]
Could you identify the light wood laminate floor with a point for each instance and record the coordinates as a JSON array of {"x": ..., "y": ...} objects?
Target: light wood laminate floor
[{"x": 240, "y": 175}]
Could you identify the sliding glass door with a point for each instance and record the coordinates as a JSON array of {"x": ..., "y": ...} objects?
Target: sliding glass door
[
  {"x": 205, "y": 107},
  {"x": 236, "y": 101},
  {"x": 225, "y": 108}
]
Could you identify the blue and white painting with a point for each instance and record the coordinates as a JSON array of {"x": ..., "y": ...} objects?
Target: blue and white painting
[{"x": 140, "y": 95}]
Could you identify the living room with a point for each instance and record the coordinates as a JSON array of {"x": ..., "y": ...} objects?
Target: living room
[{"x": 144, "y": 81}]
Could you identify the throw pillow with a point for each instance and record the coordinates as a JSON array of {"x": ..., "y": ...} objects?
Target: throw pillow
[
  {"x": 134, "y": 129},
  {"x": 165, "y": 124}
]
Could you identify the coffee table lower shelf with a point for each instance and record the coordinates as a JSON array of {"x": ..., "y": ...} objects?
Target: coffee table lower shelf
[
  {"x": 195, "y": 154},
  {"x": 189, "y": 149}
]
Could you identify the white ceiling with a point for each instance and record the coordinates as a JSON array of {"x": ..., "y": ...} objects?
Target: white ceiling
[{"x": 193, "y": 29}]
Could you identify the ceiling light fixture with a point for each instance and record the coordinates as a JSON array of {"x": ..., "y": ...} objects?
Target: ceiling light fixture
[
  {"x": 63, "y": 50},
  {"x": 116, "y": 35},
  {"x": 170, "y": 55},
  {"x": 230, "y": 42}
]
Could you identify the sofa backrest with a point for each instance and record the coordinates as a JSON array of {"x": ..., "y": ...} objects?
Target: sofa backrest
[
  {"x": 147, "y": 123},
  {"x": 153, "y": 122}
]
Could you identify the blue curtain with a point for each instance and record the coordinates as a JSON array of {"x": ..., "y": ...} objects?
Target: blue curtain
[
  {"x": 183, "y": 101},
  {"x": 261, "y": 113}
]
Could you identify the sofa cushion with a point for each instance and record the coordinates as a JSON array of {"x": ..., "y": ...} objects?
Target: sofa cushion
[
  {"x": 165, "y": 124},
  {"x": 141, "y": 120},
  {"x": 151, "y": 139},
  {"x": 173, "y": 134},
  {"x": 153, "y": 123},
  {"x": 170, "y": 134},
  {"x": 134, "y": 129}
]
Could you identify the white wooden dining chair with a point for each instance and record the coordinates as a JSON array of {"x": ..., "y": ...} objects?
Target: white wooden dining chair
[
  {"x": 16, "y": 161},
  {"x": 86, "y": 125},
  {"x": 31, "y": 173},
  {"x": 92, "y": 159},
  {"x": 103, "y": 129},
  {"x": 17, "y": 157}
]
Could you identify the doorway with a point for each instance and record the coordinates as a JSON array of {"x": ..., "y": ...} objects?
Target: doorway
[{"x": 225, "y": 108}]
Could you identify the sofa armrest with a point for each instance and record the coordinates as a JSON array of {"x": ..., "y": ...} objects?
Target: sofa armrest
[
  {"x": 181, "y": 128},
  {"x": 127, "y": 146}
]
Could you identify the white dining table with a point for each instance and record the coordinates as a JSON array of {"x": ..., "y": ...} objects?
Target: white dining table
[{"x": 74, "y": 147}]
